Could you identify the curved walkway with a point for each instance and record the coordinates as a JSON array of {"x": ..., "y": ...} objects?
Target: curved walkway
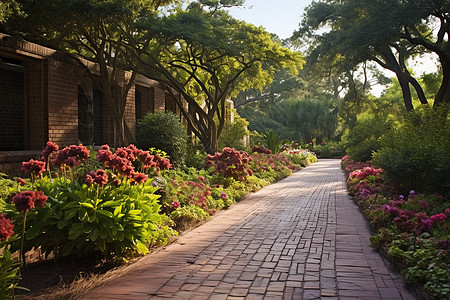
[{"x": 300, "y": 238}]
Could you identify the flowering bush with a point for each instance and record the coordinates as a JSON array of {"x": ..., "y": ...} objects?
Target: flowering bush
[
  {"x": 414, "y": 229},
  {"x": 113, "y": 211},
  {"x": 230, "y": 163},
  {"x": 9, "y": 269},
  {"x": 271, "y": 167},
  {"x": 300, "y": 157},
  {"x": 260, "y": 149}
]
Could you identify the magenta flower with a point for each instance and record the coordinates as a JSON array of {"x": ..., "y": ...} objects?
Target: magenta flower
[
  {"x": 438, "y": 218},
  {"x": 6, "y": 228},
  {"x": 223, "y": 195}
]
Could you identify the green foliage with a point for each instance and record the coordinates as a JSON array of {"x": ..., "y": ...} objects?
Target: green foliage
[
  {"x": 272, "y": 141},
  {"x": 329, "y": 150},
  {"x": 114, "y": 221},
  {"x": 363, "y": 139},
  {"x": 234, "y": 133},
  {"x": 165, "y": 132},
  {"x": 9, "y": 271},
  {"x": 195, "y": 156},
  {"x": 301, "y": 158},
  {"x": 188, "y": 216},
  {"x": 6, "y": 185},
  {"x": 417, "y": 154}
]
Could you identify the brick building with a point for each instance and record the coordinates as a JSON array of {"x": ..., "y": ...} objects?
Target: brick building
[{"x": 44, "y": 96}]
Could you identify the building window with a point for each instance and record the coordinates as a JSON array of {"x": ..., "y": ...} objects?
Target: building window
[{"x": 12, "y": 105}]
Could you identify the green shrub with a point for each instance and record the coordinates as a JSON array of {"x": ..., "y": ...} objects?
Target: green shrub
[
  {"x": 189, "y": 215},
  {"x": 233, "y": 134},
  {"x": 114, "y": 220},
  {"x": 329, "y": 150},
  {"x": 363, "y": 139},
  {"x": 417, "y": 154},
  {"x": 165, "y": 132}
]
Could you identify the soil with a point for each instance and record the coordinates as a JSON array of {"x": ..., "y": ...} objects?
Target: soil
[{"x": 45, "y": 277}]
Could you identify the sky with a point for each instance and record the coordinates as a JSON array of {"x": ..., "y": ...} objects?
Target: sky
[{"x": 280, "y": 17}]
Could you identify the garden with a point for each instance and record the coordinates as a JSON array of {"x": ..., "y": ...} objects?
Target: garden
[
  {"x": 108, "y": 206},
  {"x": 404, "y": 194}
]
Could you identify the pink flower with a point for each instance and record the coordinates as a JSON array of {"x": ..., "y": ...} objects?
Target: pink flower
[
  {"x": 223, "y": 195},
  {"x": 201, "y": 178},
  {"x": 438, "y": 218},
  {"x": 175, "y": 204},
  {"x": 447, "y": 211},
  {"x": 6, "y": 228}
]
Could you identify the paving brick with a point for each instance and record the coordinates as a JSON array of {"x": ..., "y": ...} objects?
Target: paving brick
[{"x": 301, "y": 238}]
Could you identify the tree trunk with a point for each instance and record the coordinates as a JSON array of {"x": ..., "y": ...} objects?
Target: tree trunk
[
  {"x": 404, "y": 84},
  {"x": 443, "y": 95}
]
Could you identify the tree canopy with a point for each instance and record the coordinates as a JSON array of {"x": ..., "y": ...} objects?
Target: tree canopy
[
  {"x": 208, "y": 57},
  {"x": 350, "y": 32}
]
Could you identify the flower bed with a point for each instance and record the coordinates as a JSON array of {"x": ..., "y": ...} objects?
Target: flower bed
[
  {"x": 413, "y": 229},
  {"x": 115, "y": 204}
]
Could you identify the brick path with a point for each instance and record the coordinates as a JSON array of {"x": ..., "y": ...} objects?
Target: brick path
[{"x": 301, "y": 238}]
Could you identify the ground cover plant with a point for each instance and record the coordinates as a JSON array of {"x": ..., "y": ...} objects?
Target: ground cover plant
[
  {"x": 114, "y": 204},
  {"x": 413, "y": 229}
]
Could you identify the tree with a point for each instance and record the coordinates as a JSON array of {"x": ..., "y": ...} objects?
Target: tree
[
  {"x": 207, "y": 57},
  {"x": 387, "y": 32},
  {"x": 7, "y": 8},
  {"x": 91, "y": 30}
]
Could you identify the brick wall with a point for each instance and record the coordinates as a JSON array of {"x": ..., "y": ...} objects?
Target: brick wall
[
  {"x": 63, "y": 102},
  {"x": 159, "y": 98}
]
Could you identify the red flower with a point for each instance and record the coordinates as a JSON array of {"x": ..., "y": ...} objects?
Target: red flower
[
  {"x": 101, "y": 177},
  {"x": 24, "y": 201},
  {"x": 140, "y": 177},
  {"x": 49, "y": 149},
  {"x": 71, "y": 156},
  {"x": 89, "y": 180},
  {"x": 175, "y": 204},
  {"x": 35, "y": 167},
  {"x": 40, "y": 198},
  {"x": 21, "y": 181},
  {"x": 104, "y": 154},
  {"x": 6, "y": 228}
]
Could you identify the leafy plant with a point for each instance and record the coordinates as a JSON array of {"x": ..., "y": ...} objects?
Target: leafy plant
[
  {"x": 417, "y": 154},
  {"x": 163, "y": 131},
  {"x": 230, "y": 163},
  {"x": 234, "y": 133}
]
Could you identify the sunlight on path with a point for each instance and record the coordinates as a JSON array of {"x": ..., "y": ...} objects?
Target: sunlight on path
[{"x": 300, "y": 238}]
